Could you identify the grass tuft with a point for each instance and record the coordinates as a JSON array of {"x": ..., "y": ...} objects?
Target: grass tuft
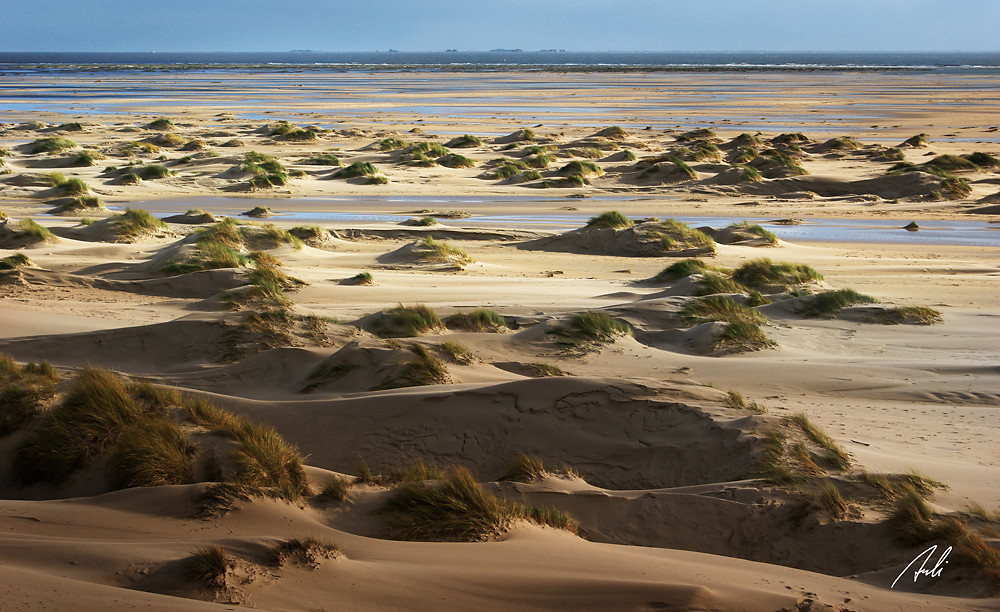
[
  {"x": 337, "y": 488},
  {"x": 208, "y": 566},
  {"x": 51, "y": 145},
  {"x": 136, "y": 222},
  {"x": 836, "y": 455},
  {"x": 590, "y": 328},
  {"x": 406, "y": 322},
  {"x": 611, "y": 219},
  {"x": 524, "y": 468},
  {"x": 479, "y": 320},
  {"x": 719, "y": 308},
  {"x": 355, "y": 170},
  {"x": 764, "y": 272},
  {"x": 828, "y": 303},
  {"x": 153, "y": 454},
  {"x": 906, "y": 315}
]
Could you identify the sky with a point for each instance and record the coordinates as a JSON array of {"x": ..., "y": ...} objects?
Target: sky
[{"x": 468, "y": 25}]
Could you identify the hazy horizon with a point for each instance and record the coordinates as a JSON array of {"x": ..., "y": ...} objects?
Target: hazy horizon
[{"x": 436, "y": 25}]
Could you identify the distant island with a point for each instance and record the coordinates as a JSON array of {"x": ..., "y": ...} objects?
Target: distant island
[{"x": 505, "y": 50}]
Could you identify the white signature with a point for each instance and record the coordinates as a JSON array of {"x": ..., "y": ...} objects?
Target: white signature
[{"x": 933, "y": 572}]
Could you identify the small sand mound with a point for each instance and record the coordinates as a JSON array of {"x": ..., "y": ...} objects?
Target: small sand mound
[
  {"x": 428, "y": 254},
  {"x": 650, "y": 238},
  {"x": 192, "y": 217}
]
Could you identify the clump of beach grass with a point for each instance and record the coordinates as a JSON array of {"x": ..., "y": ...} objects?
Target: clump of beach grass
[
  {"x": 136, "y": 222},
  {"x": 391, "y": 144},
  {"x": 828, "y": 303},
  {"x": 406, "y": 322},
  {"x": 609, "y": 220},
  {"x": 465, "y": 141},
  {"x": 34, "y": 232},
  {"x": 712, "y": 283},
  {"x": 741, "y": 337},
  {"x": 309, "y": 550},
  {"x": 906, "y": 315},
  {"x": 152, "y": 454},
  {"x": 336, "y": 488},
  {"x": 581, "y": 169},
  {"x": 735, "y": 400},
  {"x": 540, "y": 369},
  {"x": 15, "y": 261},
  {"x": 764, "y": 272},
  {"x": 458, "y": 509},
  {"x": 161, "y": 123},
  {"x": 750, "y": 231},
  {"x": 681, "y": 269},
  {"x": 87, "y": 158},
  {"x": 53, "y": 144},
  {"x": 590, "y": 328},
  {"x": 23, "y": 390},
  {"x": 675, "y": 236},
  {"x": 457, "y": 352},
  {"x": 361, "y": 278},
  {"x": 454, "y": 160},
  {"x": 524, "y": 468},
  {"x": 322, "y": 159},
  {"x": 423, "y": 370},
  {"x": 479, "y": 320},
  {"x": 719, "y": 308},
  {"x": 440, "y": 251},
  {"x": 73, "y": 187},
  {"x": 356, "y": 169},
  {"x": 835, "y": 454}
]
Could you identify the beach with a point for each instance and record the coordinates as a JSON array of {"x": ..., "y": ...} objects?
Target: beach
[{"x": 432, "y": 278}]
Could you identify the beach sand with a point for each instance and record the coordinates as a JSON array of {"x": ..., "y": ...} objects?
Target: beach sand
[{"x": 665, "y": 475}]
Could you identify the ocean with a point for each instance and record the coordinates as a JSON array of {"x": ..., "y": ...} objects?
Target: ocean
[{"x": 499, "y": 60}]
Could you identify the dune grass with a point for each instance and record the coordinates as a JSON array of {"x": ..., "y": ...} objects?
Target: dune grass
[
  {"x": 34, "y": 232},
  {"x": 53, "y": 144},
  {"x": 827, "y": 304},
  {"x": 719, "y": 308},
  {"x": 391, "y": 144},
  {"x": 208, "y": 566},
  {"x": 153, "y": 172},
  {"x": 77, "y": 204},
  {"x": 438, "y": 250},
  {"x": 23, "y": 391},
  {"x": 425, "y": 221},
  {"x": 454, "y": 160},
  {"x": 676, "y": 236},
  {"x": 681, "y": 269},
  {"x": 87, "y": 158},
  {"x": 735, "y": 400},
  {"x": 540, "y": 369},
  {"x": 309, "y": 550},
  {"x": 587, "y": 328},
  {"x": 88, "y": 422},
  {"x": 458, "y": 509},
  {"x": 698, "y": 134},
  {"x": 336, "y": 488},
  {"x": 73, "y": 187},
  {"x": 609, "y": 220},
  {"x": 835, "y": 454},
  {"x": 478, "y": 320},
  {"x": 906, "y": 315},
  {"x": 423, "y": 370},
  {"x": 524, "y": 468},
  {"x": 712, "y": 283},
  {"x": 152, "y": 454},
  {"x": 581, "y": 168},
  {"x": 15, "y": 261},
  {"x": 742, "y": 337},
  {"x": 457, "y": 352},
  {"x": 361, "y": 278},
  {"x": 406, "y": 322},
  {"x": 538, "y": 161},
  {"x": 136, "y": 222},
  {"x": 764, "y": 272},
  {"x": 749, "y": 231},
  {"x": 161, "y": 123},
  {"x": 357, "y": 169},
  {"x": 465, "y": 141},
  {"x": 322, "y": 159}
]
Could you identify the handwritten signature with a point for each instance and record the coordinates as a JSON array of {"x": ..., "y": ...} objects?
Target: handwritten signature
[{"x": 927, "y": 555}]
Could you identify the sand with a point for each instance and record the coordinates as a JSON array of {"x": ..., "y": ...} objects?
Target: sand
[{"x": 660, "y": 473}]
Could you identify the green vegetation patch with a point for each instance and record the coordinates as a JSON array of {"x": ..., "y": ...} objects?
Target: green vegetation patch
[
  {"x": 590, "y": 328},
  {"x": 356, "y": 169},
  {"x": 764, "y": 272},
  {"x": 405, "y": 322},
  {"x": 906, "y": 315},
  {"x": 479, "y": 320},
  {"x": 464, "y": 142},
  {"x": 134, "y": 223},
  {"x": 609, "y": 220},
  {"x": 719, "y": 308},
  {"x": 458, "y": 509},
  {"x": 53, "y": 144},
  {"x": 24, "y": 391},
  {"x": 828, "y": 303}
]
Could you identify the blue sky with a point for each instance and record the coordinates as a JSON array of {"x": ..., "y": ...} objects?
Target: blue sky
[{"x": 431, "y": 25}]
